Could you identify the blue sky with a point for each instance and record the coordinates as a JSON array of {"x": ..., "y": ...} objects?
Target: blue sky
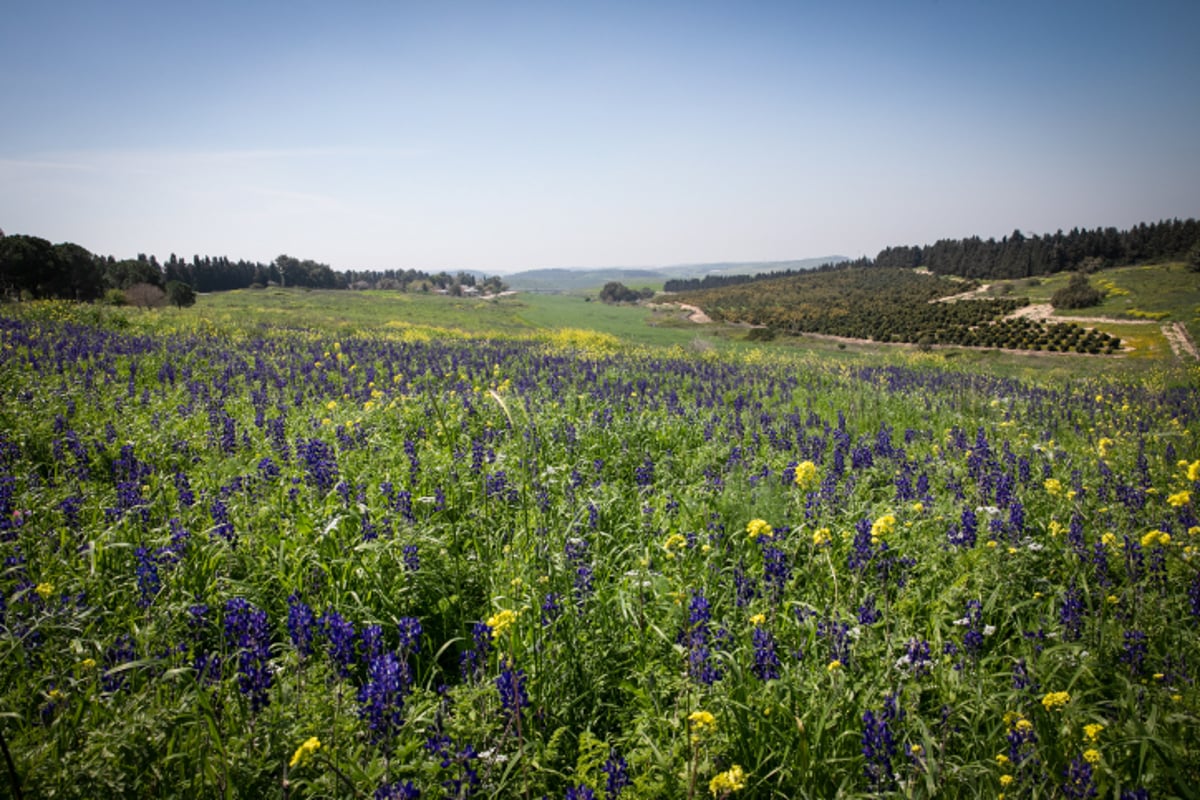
[{"x": 504, "y": 136}]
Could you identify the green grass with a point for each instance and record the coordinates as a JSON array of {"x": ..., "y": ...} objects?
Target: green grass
[{"x": 603, "y": 496}]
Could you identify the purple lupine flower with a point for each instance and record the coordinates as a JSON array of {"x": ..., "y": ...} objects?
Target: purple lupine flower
[
  {"x": 398, "y": 791},
  {"x": 372, "y": 642},
  {"x": 412, "y": 560},
  {"x": 766, "y": 661},
  {"x": 617, "y": 771},
  {"x": 776, "y": 571},
  {"x": 302, "y": 625},
  {"x": 381, "y": 698},
  {"x": 973, "y": 622},
  {"x": 1133, "y": 652},
  {"x": 410, "y": 635},
  {"x": 147, "y": 577},
  {"x": 472, "y": 662},
  {"x": 246, "y": 628},
  {"x": 879, "y": 743},
  {"x": 867, "y": 613},
  {"x": 551, "y": 608},
  {"x": 917, "y": 659},
  {"x": 510, "y": 683},
  {"x": 580, "y": 792},
  {"x": 340, "y": 634},
  {"x": 1079, "y": 784},
  {"x": 1070, "y": 614}
]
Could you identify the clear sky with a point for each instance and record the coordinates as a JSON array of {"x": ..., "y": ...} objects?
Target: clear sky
[{"x": 502, "y": 136}]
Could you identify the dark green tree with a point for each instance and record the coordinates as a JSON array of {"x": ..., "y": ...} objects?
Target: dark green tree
[{"x": 180, "y": 294}]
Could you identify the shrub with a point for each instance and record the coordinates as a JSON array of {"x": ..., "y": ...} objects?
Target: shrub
[{"x": 1078, "y": 293}]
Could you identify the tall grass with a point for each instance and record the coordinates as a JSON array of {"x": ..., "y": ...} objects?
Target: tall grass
[{"x": 244, "y": 563}]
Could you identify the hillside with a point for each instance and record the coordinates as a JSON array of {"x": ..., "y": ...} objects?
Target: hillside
[
  {"x": 568, "y": 279},
  {"x": 891, "y": 305}
]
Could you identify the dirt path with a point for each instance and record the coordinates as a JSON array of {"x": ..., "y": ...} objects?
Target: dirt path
[
  {"x": 1180, "y": 340},
  {"x": 1044, "y": 312},
  {"x": 695, "y": 314}
]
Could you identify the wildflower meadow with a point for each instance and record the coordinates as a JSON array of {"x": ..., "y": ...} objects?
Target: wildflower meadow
[{"x": 283, "y": 562}]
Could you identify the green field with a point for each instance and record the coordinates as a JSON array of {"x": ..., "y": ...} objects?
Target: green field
[{"x": 330, "y": 544}]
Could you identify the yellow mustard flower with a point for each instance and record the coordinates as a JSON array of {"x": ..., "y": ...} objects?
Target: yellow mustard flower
[
  {"x": 1053, "y": 701},
  {"x": 732, "y": 780},
  {"x": 805, "y": 476},
  {"x": 702, "y": 723},
  {"x": 1103, "y": 446},
  {"x": 1179, "y": 499},
  {"x": 1091, "y": 755},
  {"x": 1005, "y": 780},
  {"x": 1092, "y": 731},
  {"x": 1053, "y": 486},
  {"x": 833, "y": 666},
  {"x": 883, "y": 526},
  {"x": 758, "y": 619},
  {"x": 759, "y": 527},
  {"x": 1156, "y": 537},
  {"x": 1193, "y": 471},
  {"x": 676, "y": 541},
  {"x": 500, "y": 622},
  {"x": 822, "y": 536},
  {"x": 87, "y": 664},
  {"x": 304, "y": 751},
  {"x": 44, "y": 590}
]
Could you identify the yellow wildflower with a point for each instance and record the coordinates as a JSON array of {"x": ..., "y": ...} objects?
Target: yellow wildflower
[
  {"x": 822, "y": 536},
  {"x": 916, "y": 751},
  {"x": 1001, "y": 759},
  {"x": 731, "y": 780},
  {"x": 1023, "y": 725},
  {"x": 833, "y": 666},
  {"x": 1179, "y": 499},
  {"x": 759, "y": 527},
  {"x": 1156, "y": 537},
  {"x": 676, "y": 541},
  {"x": 87, "y": 664},
  {"x": 1053, "y": 486},
  {"x": 1109, "y": 539},
  {"x": 1005, "y": 780},
  {"x": 1103, "y": 446},
  {"x": 304, "y": 751},
  {"x": 500, "y": 622},
  {"x": 758, "y": 619},
  {"x": 806, "y": 475},
  {"x": 1091, "y": 755},
  {"x": 1092, "y": 732},
  {"x": 917, "y": 508},
  {"x": 1193, "y": 471},
  {"x": 883, "y": 526},
  {"x": 1055, "y": 700},
  {"x": 44, "y": 590},
  {"x": 702, "y": 723}
]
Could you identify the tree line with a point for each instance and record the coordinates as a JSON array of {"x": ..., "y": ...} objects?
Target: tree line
[
  {"x": 1014, "y": 256},
  {"x": 33, "y": 267}
]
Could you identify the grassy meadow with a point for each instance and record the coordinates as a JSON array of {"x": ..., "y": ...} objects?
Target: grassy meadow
[{"x": 362, "y": 545}]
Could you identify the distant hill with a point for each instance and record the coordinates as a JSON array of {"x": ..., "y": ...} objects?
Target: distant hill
[{"x": 578, "y": 279}]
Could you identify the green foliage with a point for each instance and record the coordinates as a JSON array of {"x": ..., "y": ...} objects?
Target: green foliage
[
  {"x": 617, "y": 292},
  {"x": 598, "y": 494},
  {"x": 1078, "y": 293},
  {"x": 180, "y": 295}
]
